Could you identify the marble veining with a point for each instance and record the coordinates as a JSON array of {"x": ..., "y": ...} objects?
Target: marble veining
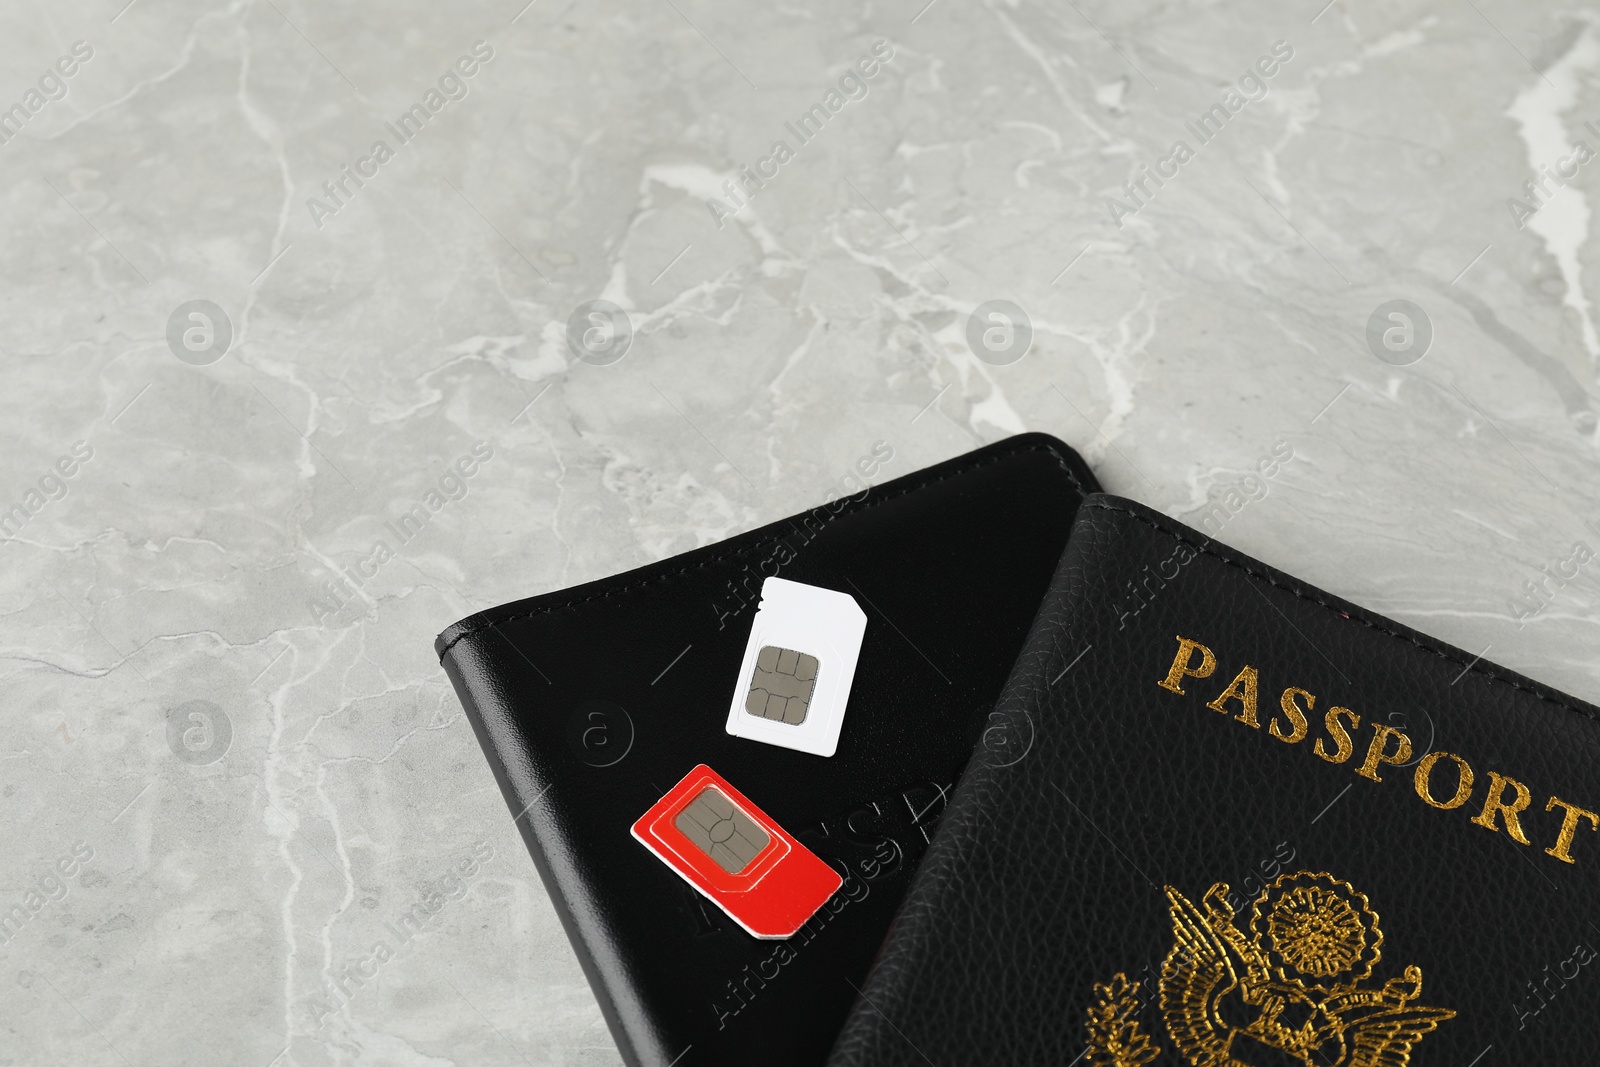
[{"x": 244, "y": 819}]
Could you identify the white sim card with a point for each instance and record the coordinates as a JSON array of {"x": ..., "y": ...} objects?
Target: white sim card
[{"x": 795, "y": 680}]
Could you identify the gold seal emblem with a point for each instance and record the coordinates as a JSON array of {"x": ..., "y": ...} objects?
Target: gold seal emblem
[{"x": 1294, "y": 991}]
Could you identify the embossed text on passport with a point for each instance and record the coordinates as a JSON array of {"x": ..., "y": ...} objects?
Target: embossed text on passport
[{"x": 1501, "y": 806}]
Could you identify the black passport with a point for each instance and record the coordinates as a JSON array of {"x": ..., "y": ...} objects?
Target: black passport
[
  {"x": 591, "y": 703},
  {"x": 1222, "y": 818}
]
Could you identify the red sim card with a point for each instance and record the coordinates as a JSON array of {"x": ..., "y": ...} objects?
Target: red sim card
[{"x": 736, "y": 856}]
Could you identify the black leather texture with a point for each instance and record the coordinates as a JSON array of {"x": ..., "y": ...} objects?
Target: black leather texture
[
  {"x": 592, "y": 702},
  {"x": 1049, "y": 877}
]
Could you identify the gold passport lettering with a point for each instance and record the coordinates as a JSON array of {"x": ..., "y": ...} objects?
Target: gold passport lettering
[
  {"x": 1290, "y": 705},
  {"x": 1242, "y": 689},
  {"x": 1569, "y": 826},
  {"x": 1423, "y": 780},
  {"x": 1496, "y": 804},
  {"x": 1338, "y": 733},
  {"x": 1184, "y": 666},
  {"x": 1292, "y": 986},
  {"x": 1506, "y": 802},
  {"x": 1377, "y": 754}
]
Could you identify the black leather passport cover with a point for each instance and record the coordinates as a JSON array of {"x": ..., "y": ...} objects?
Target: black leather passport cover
[
  {"x": 1214, "y": 876},
  {"x": 592, "y": 702}
]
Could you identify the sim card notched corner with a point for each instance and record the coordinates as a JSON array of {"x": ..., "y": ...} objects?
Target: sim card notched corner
[{"x": 794, "y": 682}]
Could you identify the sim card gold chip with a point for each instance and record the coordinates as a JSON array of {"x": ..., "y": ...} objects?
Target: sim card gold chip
[
  {"x": 721, "y": 830},
  {"x": 781, "y": 685}
]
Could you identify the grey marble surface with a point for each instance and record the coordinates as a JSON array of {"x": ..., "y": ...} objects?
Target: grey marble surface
[{"x": 226, "y": 777}]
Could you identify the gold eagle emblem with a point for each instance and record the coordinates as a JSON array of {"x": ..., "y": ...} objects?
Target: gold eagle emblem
[{"x": 1291, "y": 989}]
